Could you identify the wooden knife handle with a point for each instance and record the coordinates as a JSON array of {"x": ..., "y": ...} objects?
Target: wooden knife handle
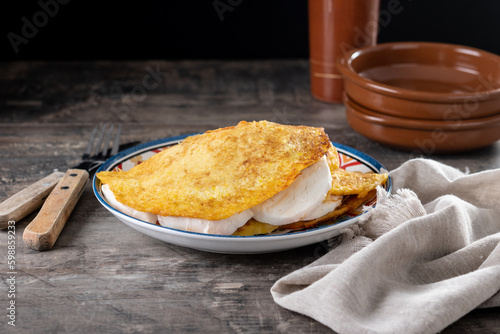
[
  {"x": 27, "y": 200},
  {"x": 41, "y": 234}
]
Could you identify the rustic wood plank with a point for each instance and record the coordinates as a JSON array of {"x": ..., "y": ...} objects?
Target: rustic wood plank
[
  {"x": 100, "y": 275},
  {"x": 43, "y": 231},
  {"x": 27, "y": 200}
]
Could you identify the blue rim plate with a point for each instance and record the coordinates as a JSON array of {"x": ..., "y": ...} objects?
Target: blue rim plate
[{"x": 350, "y": 159}]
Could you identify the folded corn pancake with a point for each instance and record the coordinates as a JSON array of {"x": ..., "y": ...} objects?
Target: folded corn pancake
[
  {"x": 355, "y": 183},
  {"x": 288, "y": 177},
  {"x": 222, "y": 172}
]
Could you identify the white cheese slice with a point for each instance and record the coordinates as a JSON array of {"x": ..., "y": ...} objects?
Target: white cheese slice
[
  {"x": 221, "y": 227},
  {"x": 300, "y": 199},
  {"x": 330, "y": 203},
  {"x": 110, "y": 198}
]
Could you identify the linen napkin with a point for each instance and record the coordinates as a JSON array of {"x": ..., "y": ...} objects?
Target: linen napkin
[{"x": 426, "y": 255}]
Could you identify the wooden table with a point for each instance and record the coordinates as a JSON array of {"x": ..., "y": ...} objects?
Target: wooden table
[{"x": 102, "y": 276}]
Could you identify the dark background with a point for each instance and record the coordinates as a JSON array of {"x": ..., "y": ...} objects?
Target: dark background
[{"x": 253, "y": 29}]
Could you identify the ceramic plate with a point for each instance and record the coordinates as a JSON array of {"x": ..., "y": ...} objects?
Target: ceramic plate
[{"x": 350, "y": 159}]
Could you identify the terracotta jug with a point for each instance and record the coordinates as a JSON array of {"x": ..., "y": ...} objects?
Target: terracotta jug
[{"x": 335, "y": 27}]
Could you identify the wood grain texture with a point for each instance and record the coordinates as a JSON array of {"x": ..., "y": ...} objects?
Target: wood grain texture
[
  {"x": 100, "y": 275},
  {"x": 27, "y": 200},
  {"x": 43, "y": 231}
]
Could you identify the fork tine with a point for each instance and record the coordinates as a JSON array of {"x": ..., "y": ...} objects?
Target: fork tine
[
  {"x": 106, "y": 142},
  {"x": 100, "y": 138},
  {"x": 90, "y": 143},
  {"x": 102, "y": 142},
  {"x": 116, "y": 141}
]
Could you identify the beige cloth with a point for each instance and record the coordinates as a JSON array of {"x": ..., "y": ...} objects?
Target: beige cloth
[{"x": 428, "y": 254}]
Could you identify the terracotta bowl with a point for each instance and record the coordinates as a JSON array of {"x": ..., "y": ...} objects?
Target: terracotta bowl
[
  {"x": 423, "y": 136},
  {"x": 423, "y": 80}
]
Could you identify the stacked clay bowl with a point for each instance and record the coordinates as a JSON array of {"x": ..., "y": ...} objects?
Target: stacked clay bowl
[{"x": 431, "y": 97}]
